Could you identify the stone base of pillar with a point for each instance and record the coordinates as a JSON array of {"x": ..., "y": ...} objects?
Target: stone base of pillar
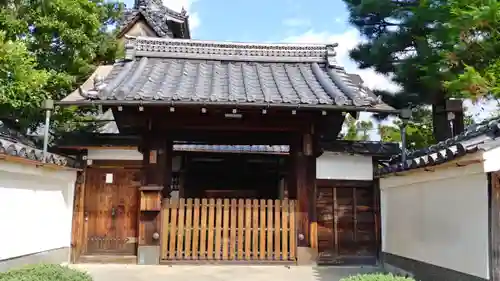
[{"x": 306, "y": 256}]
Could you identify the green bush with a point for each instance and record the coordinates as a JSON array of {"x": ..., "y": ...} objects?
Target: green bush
[
  {"x": 44, "y": 272},
  {"x": 376, "y": 277}
]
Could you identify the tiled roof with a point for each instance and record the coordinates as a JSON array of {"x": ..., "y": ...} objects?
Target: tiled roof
[
  {"x": 179, "y": 70},
  {"x": 481, "y": 136},
  {"x": 374, "y": 148},
  {"x": 155, "y": 14},
  {"x": 13, "y": 143}
]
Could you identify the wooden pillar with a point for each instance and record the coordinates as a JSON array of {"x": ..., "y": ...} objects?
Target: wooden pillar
[
  {"x": 78, "y": 233},
  {"x": 304, "y": 172},
  {"x": 157, "y": 164}
]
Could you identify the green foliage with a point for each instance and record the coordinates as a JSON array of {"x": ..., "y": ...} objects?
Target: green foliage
[
  {"x": 61, "y": 41},
  {"x": 376, "y": 277},
  {"x": 474, "y": 26},
  {"x": 357, "y": 130},
  {"x": 45, "y": 272},
  {"x": 434, "y": 49}
]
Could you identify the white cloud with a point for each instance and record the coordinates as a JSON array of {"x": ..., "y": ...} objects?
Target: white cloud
[
  {"x": 347, "y": 41},
  {"x": 296, "y": 22},
  {"x": 177, "y": 5}
]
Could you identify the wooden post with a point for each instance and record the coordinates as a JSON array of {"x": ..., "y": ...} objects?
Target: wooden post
[
  {"x": 78, "y": 232},
  {"x": 154, "y": 186},
  {"x": 304, "y": 163}
]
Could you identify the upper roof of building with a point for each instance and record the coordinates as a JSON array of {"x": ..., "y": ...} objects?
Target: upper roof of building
[
  {"x": 157, "y": 17},
  {"x": 206, "y": 72},
  {"x": 481, "y": 136}
]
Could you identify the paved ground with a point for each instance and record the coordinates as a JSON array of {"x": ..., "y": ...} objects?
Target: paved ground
[{"x": 115, "y": 272}]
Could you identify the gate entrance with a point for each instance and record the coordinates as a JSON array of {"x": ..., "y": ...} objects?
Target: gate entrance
[{"x": 228, "y": 230}]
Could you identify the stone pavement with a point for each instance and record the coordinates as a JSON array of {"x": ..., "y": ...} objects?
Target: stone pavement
[{"x": 118, "y": 272}]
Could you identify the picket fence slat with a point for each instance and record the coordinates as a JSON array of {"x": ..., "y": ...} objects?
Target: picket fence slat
[{"x": 228, "y": 229}]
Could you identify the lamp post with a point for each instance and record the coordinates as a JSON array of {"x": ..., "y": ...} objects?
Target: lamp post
[
  {"x": 48, "y": 106},
  {"x": 405, "y": 115}
]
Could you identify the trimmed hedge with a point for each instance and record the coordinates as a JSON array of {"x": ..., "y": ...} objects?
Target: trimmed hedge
[
  {"x": 376, "y": 277},
  {"x": 44, "y": 272}
]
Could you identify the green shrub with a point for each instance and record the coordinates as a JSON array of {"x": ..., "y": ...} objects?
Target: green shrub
[
  {"x": 44, "y": 272},
  {"x": 376, "y": 277}
]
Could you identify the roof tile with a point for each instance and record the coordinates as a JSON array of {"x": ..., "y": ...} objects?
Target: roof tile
[
  {"x": 205, "y": 71},
  {"x": 480, "y": 136}
]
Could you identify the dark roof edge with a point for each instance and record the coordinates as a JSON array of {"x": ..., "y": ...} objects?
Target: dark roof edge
[
  {"x": 226, "y": 104},
  {"x": 371, "y": 148}
]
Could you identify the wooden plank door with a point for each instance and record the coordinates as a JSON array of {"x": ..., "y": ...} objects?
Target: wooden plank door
[
  {"x": 111, "y": 211},
  {"x": 346, "y": 225}
]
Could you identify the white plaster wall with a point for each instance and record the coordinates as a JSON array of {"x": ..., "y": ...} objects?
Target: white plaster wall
[
  {"x": 438, "y": 217},
  {"x": 125, "y": 154},
  {"x": 344, "y": 167},
  {"x": 36, "y": 207},
  {"x": 114, "y": 154}
]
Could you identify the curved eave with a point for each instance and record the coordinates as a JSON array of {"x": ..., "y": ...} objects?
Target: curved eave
[{"x": 84, "y": 102}]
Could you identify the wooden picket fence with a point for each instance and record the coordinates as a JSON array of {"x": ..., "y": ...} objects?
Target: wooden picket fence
[{"x": 228, "y": 230}]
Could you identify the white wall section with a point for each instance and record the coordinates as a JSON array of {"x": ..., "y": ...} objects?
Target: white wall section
[
  {"x": 36, "y": 208},
  {"x": 439, "y": 217},
  {"x": 337, "y": 166}
]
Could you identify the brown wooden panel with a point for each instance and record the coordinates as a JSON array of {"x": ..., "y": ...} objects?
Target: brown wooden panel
[
  {"x": 230, "y": 230},
  {"x": 241, "y": 226},
  {"x": 248, "y": 229},
  {"x": 189, "y": 227},
  {"x": 284, "y": 226},
  {"x": 78, "y": 235},
  {"x": 196, "y": 229},
  {"x": 112, "y": 210},
  {"x": 174, "y": 205},
  {"x": 255, "y": 228},
  {"x": 494, "y": 194},
  {"x": 225, "y": 230},
  {"x": 262, "y": 246},
  {"x": 211, "y": 228},
  {"x": 277, "y": 228},
  {"x": 346, "y": 224},
  {"x": 234, "y": 229},
  {"x": 293, "y": 234},
  {"x": 269, "y": 253},
  {"x": 218, "y": 229}
]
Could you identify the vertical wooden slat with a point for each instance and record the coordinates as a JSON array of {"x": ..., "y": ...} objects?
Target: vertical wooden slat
[
  {"x": 284, "y": 232},
  {"x": 180, "y": 228},
  {"x": 225, "y": 229},
  {"x": 218, "y": 228},
  {"x": 211, "y": 220},
  {"x": 262, "y": 246},
  {"x": 173, "y": 228},
  {"x": 165, "y": 215},
  {"x": 277, "y": 230},
  {"x": 188, "y": 228},
  {"x": 255, "y": 229},
  {"x": 269, "y": 254},
  {"x": 355, "y": 216},
  {"x": 196, "y": 228},
  {"x": 248, "y": 228},
  {"x": 203, "y": 229},
  {"x": 293, "y": 233},
  {"x": 241, "y": 226},
  {"x": 335, "y": 222},
  {"x": 234, "y": 229}
]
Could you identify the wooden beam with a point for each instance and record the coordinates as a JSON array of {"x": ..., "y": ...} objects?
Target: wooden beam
[{"x": 78, "y": 222}]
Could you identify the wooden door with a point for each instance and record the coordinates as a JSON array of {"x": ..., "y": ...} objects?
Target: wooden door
[
  {"x": 111, "y": 211},
  {"x": 347, "y": 232}
]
